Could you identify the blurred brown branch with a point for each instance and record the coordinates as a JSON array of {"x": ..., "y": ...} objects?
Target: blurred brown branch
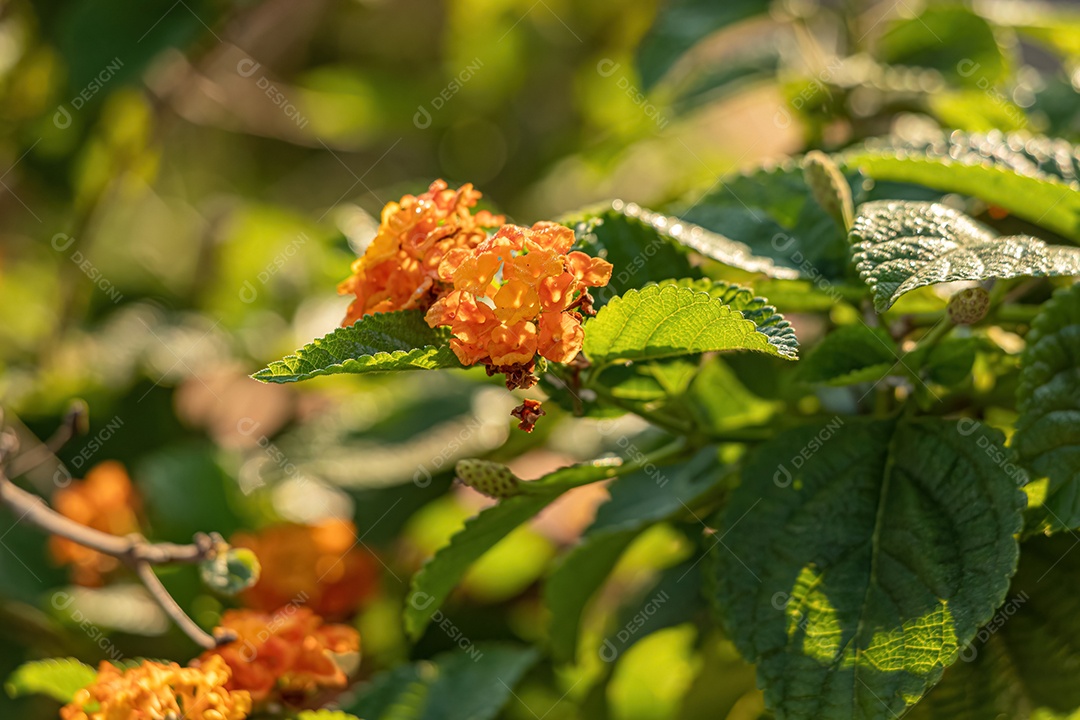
[{"x": 134, "y": 550}]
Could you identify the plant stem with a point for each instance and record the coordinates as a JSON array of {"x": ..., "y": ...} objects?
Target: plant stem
[{"x": 133, "y": 550}]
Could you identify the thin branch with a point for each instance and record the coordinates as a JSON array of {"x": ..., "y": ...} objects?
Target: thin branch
[
  {"x": 168, "y": 603},
  {"x": 134, "y": 550}
]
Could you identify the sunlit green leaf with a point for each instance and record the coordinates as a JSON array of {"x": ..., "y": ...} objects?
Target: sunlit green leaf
[
  {"x": 1034, "y": 178},
  {"x": 58, "y": 678},
  {"x": 375, "y": 343},
  {"x": 658, "y": 322},
  {"x": 900, "y": 246},
  {"x": 949, "y": 38}
]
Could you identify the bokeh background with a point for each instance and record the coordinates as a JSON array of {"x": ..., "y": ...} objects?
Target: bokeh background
[{"x": 183, "y": 183}]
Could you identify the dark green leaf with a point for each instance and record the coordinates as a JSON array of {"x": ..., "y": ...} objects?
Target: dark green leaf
[
  {"x": 471, "y": 684},
  {"x": 637, "y": 501},
  {"x": 680, "y": 25},
  {"x": 850, "y": 354},
  {"x": 949, "y": 38},
  {"x": 900, "y": 246},
  {"x": 706, "y": 242},
  {"x": 773, "y": 214},
  {"x": 1025, "y": 661},
  {"x": 857, "y": 558},
  {"x": 1048, "y": 429},
  {"x": 639, "y": 253}
]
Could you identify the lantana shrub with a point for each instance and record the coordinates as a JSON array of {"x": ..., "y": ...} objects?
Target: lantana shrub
[{"x": 841, "y": 390}]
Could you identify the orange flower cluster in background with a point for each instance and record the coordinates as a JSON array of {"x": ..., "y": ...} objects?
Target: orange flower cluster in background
[
  {"x": 400, "y": 269},
  {"x": 290, "y": 652},
  {"x": 157, "y": 690},
  {"x": 516, "y": 295},
  {"x": 320, "y": 565},
  {"x": 105, "y": 501}
]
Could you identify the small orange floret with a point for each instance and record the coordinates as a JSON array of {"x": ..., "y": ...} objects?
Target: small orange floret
[
  {"x": 400, "y": 269},
  {"x": 156, "y": 690},
  {"x": 105, "y": 501},
  {"x": 320, "y": 566},
  {"x": 515, "y": 295},
  {"x": 289, "y": 654}
]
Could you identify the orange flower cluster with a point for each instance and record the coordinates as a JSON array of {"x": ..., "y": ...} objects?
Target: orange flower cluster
[
  {"x": 105, "y": 501},
  {"x": 290, "y": 651},
  {"x": 320, "y": 563},
  {"x": 516, "y": 295},
  {"x": 400, "y": 269},
  {"x": 152, "y": 690}
]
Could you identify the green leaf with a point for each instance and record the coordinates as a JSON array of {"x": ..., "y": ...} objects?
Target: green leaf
[
  {"x": 675, "y": 598},
  {"x": 709, "y": 243},
  {"x": 659, "y": 322},
  {"x": 829, "y": 187},
  {"x": 1034, "y": 178},
  {"x": 639, "y": 252},
  {"x": 59, "y": 678},
  {"x": 858, "y": 556},
  {"x": 1025, "y": 661},
  {"x": 754, "y": 308},
  {"x": 772, "y": 213},
  {"x": 432, "y": 584},
  {"x": 850, "y": 354},
  {"x": 325, "y": 715},
  {"x": 949, "y": 38},
  {"x": 573, "y": 583},
  {"x": 376, "y": 343},
  {"x": 948, "y": 362},
  {"x": 1047, "y": 434},
  {"x": 900, "y": 246},
  {"x": 680, "y": 25},
  {"x": 637, "y": 502},
  {"x": 471, "y": 684}
]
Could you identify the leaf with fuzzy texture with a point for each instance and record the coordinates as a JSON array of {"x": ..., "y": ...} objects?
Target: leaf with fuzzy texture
[
  {"x": 376, "y": 343},
  {"x": 1024, "y": 662},
  {"x": 668, "y": 321},
  {"x": 900, "y": 246},
  {"x": 1035, "y": 178},
  {"x": 860, "y": 556},
  {"x": 1048, "y": 430}
]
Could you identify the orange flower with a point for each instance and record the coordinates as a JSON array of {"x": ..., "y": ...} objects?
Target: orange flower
[
  {"x": 515, "y": 295},
  {"x": 321, "y": 565},
  {"x": 400, "y": 269},
  {"x": 105, "y": 501},
  {"x": 154, "y": 691},
  {"x": 290, "y": 651}
]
